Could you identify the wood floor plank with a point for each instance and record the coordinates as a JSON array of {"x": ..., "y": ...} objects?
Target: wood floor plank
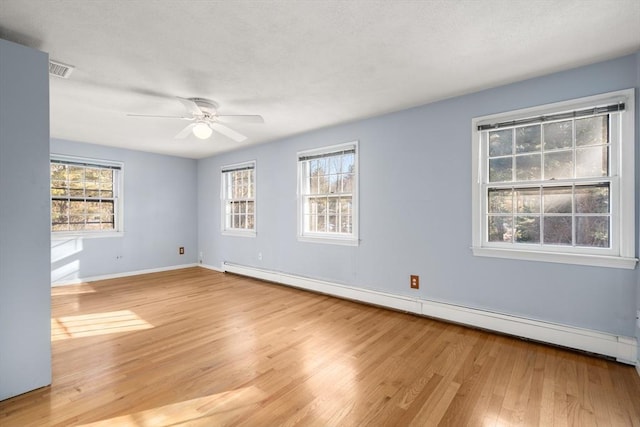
[{"x": 201, "y": 348}]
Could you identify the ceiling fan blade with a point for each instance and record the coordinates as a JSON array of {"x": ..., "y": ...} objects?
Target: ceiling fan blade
[
  {"x": 191, "y": 106},
  {"x": 185, "y": 132},
  {"x": 228, "y": 132},
  {"x": 160, "y": 117},
  {"x": 240, "y": 118}
]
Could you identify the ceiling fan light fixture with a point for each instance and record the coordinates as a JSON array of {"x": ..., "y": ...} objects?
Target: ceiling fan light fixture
[{"x": 202, "y": 131}]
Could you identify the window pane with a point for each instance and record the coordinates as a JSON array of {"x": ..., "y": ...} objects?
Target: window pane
[
  {"x": 592, "y": 199},
  {"x": 592, "y": 130},
  {"x": 500, "y": 169},
  {"x": 527, "y": 229},
  {"x": 349, "y": 163},
  {"x": 332, "y": 223},
  {"x": 345, "y": 224},
  {"x": 592, "y": 231},
  {"x": 558, "y": 135},
  {"x": 592, "y": 162},
  {"x": 557, "y": 230},
  {"x": 332, "y": 205},
  {"x": 321, "y": 223},
  {"x": 92, "y": 207},
  {"x": 250, "y": 207},
  {"x": 91, "y": 174},
  {"x": 76, "y": 189},
  {"x": 250, "y": 221},
  {"x": 107, "y": 225},
  {"x": 501, "y": 201},
  {"x": 58, "y": 172},
  {"x": 59, "y": 211},
  {"x": 528, "y": 139},
  {"x": 558, "y": 165},
  {"x": 345, "y": 205},
  {"x": 333, "y": 184},
  {"x": 106, "y": 175},
  {"x": 500, "y": 229},
  {"x": 528, "y": 167},
  {"x": 76, "y": 208},
  {"x": 500, "y": 143},
  {"x": 323, "y": 184},
  {"x": 321, "y": 204},
  {"x": 557, "y": 200},
  {"x": 59, "y": 188},
  {"x": 76, "y": 220},
  {"x": 76, "y": 173},
  {"x": 347, "y": 183},
  {"x": 528, "y": 200},
  {"x": 334, "y": 165}
]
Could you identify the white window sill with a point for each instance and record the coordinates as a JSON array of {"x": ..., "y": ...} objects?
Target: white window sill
[
  {"x": 59, "y": 235},
  {"x": 239, "y": 233},
  {"x": 331, "y": 240},
  {"x": 558, "y": 257}
]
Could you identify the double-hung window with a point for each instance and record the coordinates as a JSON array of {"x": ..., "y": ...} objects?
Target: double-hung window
[
  {"x": 239, "y": 199},
  {"x": 556, "y": 183},
  {"x": 86, "y": 196},
  {"x": 328, "y": 194}
]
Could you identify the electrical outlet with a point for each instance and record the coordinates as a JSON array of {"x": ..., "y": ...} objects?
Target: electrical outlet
[
  {"x": 415, "y": 281},
  {"x": 259, "y": 256},
  {"x": 181, "y": 250}
]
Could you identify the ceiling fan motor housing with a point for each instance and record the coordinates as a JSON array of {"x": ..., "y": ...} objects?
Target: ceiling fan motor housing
[{"x": 206, "y": 105}]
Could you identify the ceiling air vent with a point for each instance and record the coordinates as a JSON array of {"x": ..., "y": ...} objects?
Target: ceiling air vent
[{"x": 59, "y": 69}]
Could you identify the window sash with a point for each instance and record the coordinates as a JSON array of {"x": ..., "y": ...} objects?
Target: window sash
[
  {"x": 328, "y": 207},
  {"x": 82, "y": 205},
  {"x": 239, "y": 210}
]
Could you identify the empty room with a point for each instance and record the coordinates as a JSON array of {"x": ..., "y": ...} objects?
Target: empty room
[{"x": 319, "y": 213}]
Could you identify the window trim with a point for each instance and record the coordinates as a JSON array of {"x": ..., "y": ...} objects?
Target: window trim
[
  {"x": 119, "y": 200},
  {"x": 223, "y": 213},
  {"x": 330, "y": 238},
  {"x": 622, "y": 178}
]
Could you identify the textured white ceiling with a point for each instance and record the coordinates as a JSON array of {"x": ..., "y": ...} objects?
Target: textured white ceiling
[{"x": 302, "y": 65}]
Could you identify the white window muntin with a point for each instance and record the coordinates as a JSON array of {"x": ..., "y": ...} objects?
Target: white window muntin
[
  {"x": 621, "y": 250},
  {"x": 346, "y": 202},
  {"x": 238, "y": 210},
  {"x": 117, "y": 199}
]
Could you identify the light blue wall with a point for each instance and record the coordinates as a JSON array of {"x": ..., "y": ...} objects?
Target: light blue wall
[
  {"x": 415, "y": 201},
  {"x": 25, "y": 299},
  {"x": 159, "y": 216}
]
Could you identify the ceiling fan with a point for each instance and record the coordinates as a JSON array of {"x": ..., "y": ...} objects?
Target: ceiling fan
[{"x": 203, "y": 113}]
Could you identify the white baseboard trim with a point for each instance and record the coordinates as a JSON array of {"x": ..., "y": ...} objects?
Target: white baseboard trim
[
  {"x": 116, "y": 275},
  {"x": 623, "y": 349},
  {"x": 211, "y": 267}
]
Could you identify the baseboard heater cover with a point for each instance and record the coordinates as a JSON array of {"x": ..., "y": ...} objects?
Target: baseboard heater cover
[{"x": 623, "y": 349}]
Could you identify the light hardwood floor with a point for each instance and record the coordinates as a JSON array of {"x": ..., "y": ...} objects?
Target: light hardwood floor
[{"x": 201, "y": 348}]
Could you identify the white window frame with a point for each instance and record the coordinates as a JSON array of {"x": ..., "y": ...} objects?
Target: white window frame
[
  {"x": 621, "y": 253},
  {"x": 225, "y": 173},
  {"x": 351, "y": 239},
  {"x": 118, "y": 188}
]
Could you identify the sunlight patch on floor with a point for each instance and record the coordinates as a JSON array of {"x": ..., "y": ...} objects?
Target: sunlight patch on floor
[
  {"x": 215, "y": 407},
  {"x": 88, "y": 325},
  {"x": 72, "y": 290}
]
